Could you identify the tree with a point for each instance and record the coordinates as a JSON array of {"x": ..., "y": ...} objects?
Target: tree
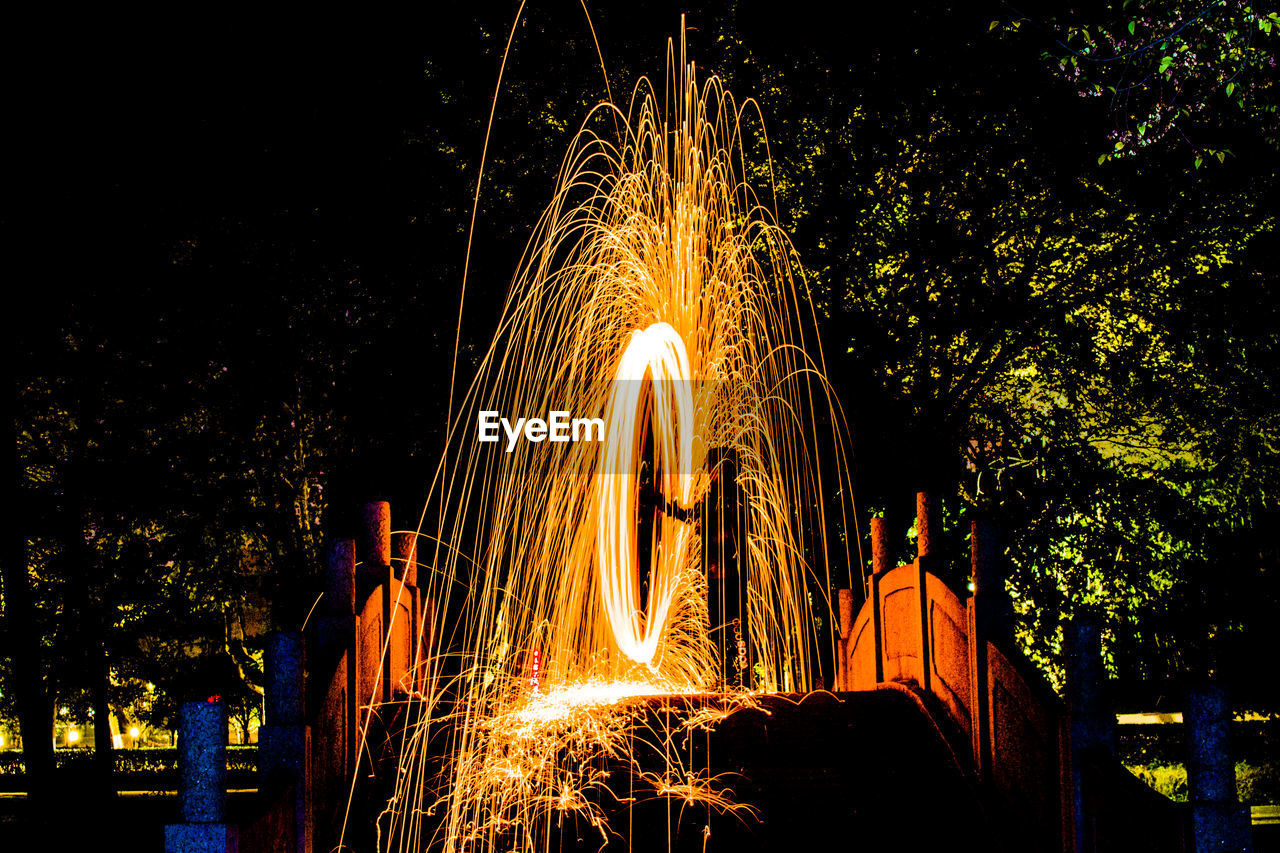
[
  {"x": 1173, "y": 74},
  {"x": 1074, "y": 346}
]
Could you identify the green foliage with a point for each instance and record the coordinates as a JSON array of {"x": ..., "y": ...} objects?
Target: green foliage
[
  {"x": 1168, "y": 779},
  {"x": 1255, "y": 784},
  {"x": 1171, "y": 72}
]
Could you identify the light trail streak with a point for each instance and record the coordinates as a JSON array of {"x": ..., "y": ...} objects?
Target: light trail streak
[
  {"x": 658, "y": 293},
  {"x": 658, "y": 354}
]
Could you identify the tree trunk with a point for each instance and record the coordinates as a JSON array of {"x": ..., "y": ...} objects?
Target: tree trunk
[
  {"x": 35, "y": 709},
  {"x": 102, "y": 748}
]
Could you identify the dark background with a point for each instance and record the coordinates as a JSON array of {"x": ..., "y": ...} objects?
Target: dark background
[{"x": 232, "y": 234}]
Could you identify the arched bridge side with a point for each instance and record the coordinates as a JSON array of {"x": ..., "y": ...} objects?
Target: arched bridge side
[{"x": 957, "y": 654}]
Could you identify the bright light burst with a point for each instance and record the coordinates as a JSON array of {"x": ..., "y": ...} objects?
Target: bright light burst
[
  {"x": 653, "y": 373},
  {"x": 659, "y": 294}
]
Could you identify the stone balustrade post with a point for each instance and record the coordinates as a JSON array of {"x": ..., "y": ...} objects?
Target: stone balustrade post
[
  {"x": 284, "y": 742},
  {"x": 989, "y": 571},
  {"x": 376, "y": 573},
  {"x": 202, "y": 781},
  {"x": 339, "y": 578},
  {"x": 928, "y": 561},
  {"x": 845, "y": 600},
  {"x": 335, "y": 644},
  {"x": 337, "y": 606},
  {"x": 404, "y": 549},
  {"x": 281, "y": 739},
  {"x": 928, "y": 527},
  {"x": 1219, "y": 822},
  {"x": 375, "y": 534},
  {"x": 879, "y": 546},
  {"x": 879, "y": 566},
  {"x": 1090, "y": 723},
  {"x": 988, "y": 609}
]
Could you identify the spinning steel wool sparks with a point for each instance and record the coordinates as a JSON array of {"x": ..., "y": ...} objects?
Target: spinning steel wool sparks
[
  {"x": 682, "y": 554},
  {"x": 656, "y": 353}
]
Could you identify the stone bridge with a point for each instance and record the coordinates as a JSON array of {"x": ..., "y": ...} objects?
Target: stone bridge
[{"x": 938, "y": 734}]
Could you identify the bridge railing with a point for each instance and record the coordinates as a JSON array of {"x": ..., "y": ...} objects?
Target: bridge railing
[
  {"x": 331, "y": 700},
  {"x": 915, "y": 630},
  {"x": 370, "y": 656}
]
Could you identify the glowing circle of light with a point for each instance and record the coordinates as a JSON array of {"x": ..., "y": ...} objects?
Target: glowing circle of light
[{"x": 657, "y": 353}]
